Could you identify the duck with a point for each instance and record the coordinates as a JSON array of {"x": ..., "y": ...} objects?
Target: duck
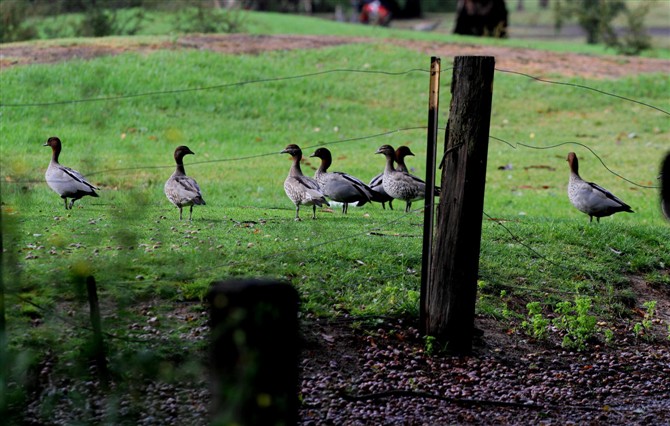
[
  {"x": 400, "y": 155},
  {"x": 339, "y": 186},
  {"x": 377, "y": 182},
  {"x": 398, "y": 184},
  {"x": 591, "y": 198},
  {"x": 64, "y": 181},
  {"x": 301, "y": 189},
  {"x": 180, "y": 189},
  {"x": 377, "y": 186}
]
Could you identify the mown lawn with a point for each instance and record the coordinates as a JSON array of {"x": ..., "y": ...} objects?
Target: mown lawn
[{"x": 236, "y": 112}]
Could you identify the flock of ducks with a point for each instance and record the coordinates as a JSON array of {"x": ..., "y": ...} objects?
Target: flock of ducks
[{"x": 394, "y": 183}]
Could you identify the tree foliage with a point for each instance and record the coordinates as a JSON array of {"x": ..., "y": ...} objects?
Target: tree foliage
[{"x": 596, "y": 18}]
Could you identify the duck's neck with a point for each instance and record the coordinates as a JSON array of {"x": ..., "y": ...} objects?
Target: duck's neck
[
  {"x": 295, "y": 169},
  {"x": 401, "y": 164},
  {"x": 389, "y": 164},
  {"x": 325, "y": 163},
  {"x": 574, "y": 168},
  {"x": 180, "y": 166},
  {"x": 55, "y": 152}
]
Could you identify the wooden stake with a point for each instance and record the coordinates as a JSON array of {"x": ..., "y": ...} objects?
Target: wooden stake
[
  {"x": 254, "y": 352},
  {"x": 99, "y": 355},
  {"x": 452, "y": 290},
  {"x": 428, "y": 213}
]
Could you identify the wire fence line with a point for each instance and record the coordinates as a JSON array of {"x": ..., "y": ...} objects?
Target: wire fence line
[
  {"x": 325, "y": 143},
  {"x": 513, "y": 145},
  {"x": 315, "y": 74},
  {"x": 286, "y": 252}
]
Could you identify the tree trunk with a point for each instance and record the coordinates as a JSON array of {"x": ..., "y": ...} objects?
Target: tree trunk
[
  {"x": 412, "y": 9},
  {"x": 481, "y": 18}
]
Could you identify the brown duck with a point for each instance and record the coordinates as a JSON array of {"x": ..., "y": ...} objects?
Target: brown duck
[
  {"x": 66, "y": 182},
  {"x": 590, "y": 198},
  {"x": 339, "y": 186},
  {"x": 180, "y": 189},
  {"x": 301, "y": 189}
]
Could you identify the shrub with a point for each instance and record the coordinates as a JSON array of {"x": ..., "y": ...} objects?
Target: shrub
[{"x": 13, "y": 28}]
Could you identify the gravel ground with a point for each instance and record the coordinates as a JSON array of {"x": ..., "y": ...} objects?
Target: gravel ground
[
  {"x": 357, "y": 375},
  {"x": 352, "y": 374},
  {"x": 383, "y": 376}
]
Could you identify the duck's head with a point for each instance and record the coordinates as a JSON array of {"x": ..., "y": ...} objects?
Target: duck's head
[
  {"x": 293, "y": 150},
  {"x": 386, "y": 150}
]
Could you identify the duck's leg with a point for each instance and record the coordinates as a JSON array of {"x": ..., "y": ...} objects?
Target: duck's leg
[
  {"x": 190, "y": 214},
  {"x": 179, "y": 212},
  {"x": 314, "y": 211},
  {"x": 65, "y": 199},
  {"x": 408, "y": 207},
  {"x": 345, "y": 208},
  {"x": 390, "y": 204},
  {"x": 72, "y": 202},
  {"x": 297, "y": 212}
]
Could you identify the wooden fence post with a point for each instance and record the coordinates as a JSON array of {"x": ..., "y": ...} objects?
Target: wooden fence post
[
  {"x": 665, "y": 186},
  {"x": 4, "y": 361},
  {"x": 254, "y": 352},
  {"x": 429, "y": 211},
  {"x": 98, "y": 349},
  {"x": 452, "y": 290}
]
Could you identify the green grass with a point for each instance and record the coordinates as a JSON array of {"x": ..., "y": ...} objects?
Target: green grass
[
  {"x": 165, "y": 24},
  {"x": 125, "y": 146},
  {"x": 146, "y": 261}
]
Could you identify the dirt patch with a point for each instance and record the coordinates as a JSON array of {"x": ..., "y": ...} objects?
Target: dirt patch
[{"x": 535, "y": 62}]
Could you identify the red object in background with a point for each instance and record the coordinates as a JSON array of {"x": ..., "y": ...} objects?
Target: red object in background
[{"x": 375, "y": 13}]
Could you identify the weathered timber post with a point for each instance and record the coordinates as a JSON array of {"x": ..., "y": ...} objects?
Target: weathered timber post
[
  {"x": 452, "y": 290},
  {"x": 4, "y": 361},
  {"x": 665, "y": 186},
  {"x": 429, "y": 211},
  {"x": 98, "y": 349},
  {"x": 254, "y": 352}
]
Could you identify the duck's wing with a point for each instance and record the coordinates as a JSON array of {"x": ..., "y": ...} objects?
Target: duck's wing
[
  {"x": 184, "y": 189},
  {"x": 606, "y": 196},
  {"x": 308, "y": 182},
  {"x": 78, "y": 177}
]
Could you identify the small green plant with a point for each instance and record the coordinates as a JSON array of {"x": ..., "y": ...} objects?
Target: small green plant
[
  {"x": 609, "y": 336},
  {"x": 536, "y": 324},
  {"x": 507, "y": 313},
  {"x": 431, "y": 342},
  {"x": 576, "y": 321},
  {"x": 643, "y": 328}
]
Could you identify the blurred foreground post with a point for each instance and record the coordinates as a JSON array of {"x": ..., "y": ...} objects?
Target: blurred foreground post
[
  {"x": 665, "y": 186},
  {"x": 254, "y": 352},
  {"x": 452, "y": 290},
  {"x": 4, "y": 360},
  {"x": 98, "y": 348}
]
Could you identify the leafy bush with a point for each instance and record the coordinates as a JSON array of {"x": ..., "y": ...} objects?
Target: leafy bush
[
  {"x": 100, "y": 22},
  {"x": 596, "y": 18},
  {"x": 635, "y": 39},
  {"x": 202, "y": 19},
  {"x": 13, "y": 28}
]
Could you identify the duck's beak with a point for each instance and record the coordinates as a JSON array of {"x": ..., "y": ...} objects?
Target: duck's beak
[{"x": 378, "y": 151}]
